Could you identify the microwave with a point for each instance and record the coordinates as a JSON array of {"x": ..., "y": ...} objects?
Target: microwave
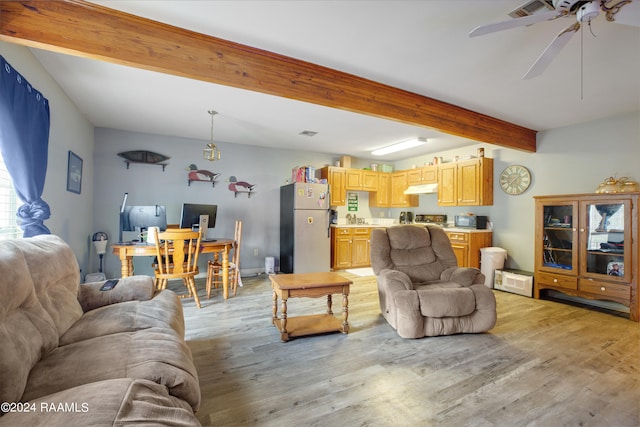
[{"x": 471, "y": 221}]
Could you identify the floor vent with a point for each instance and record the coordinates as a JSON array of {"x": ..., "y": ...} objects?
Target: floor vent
[{"x": 531, "y": 7}]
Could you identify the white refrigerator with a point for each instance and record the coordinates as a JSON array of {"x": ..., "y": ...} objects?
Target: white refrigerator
[{"x": 305, "y": 236}]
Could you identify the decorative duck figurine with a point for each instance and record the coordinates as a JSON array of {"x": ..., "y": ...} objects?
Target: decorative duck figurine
[
  {"x": 196, "y": 174},
  {"x": 240, "y": 186}
]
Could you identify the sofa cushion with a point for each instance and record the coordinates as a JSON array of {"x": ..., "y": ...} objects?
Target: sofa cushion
[
  {"x": 26, "y": 329},
  {"x": 156, "y": 354},
  {"x": 446, "y": 302},
  {"x": 422, "y": 253},
  {"x": 56, "y": 277},
  {"x": 116, "y": 402},
  {"x": 164, "y": 310}
]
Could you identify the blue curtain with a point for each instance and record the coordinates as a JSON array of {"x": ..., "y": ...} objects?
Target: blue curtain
[{"x": 24, "y": 142}]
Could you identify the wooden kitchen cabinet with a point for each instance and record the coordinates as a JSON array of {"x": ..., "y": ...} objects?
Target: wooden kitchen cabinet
[
  {"x": 586, "y": 245},
  {"x": 353, "y": 179},
  {"x": 467, "y": 244},
  {"x": 335, "y": 177},
  {"x": 350, "y": 247},
  {"x": 423, "y": 175},
  {"x": 370, "y": 180},
  {"x": 466, "y": 183},
  {"x": 361, "y": 180},
  {"x": 399, "y": 183},
  {"x": 382, "y": 197}
]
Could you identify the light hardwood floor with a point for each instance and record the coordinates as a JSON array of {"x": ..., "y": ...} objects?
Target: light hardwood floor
[{"x": 544, "y": 364}]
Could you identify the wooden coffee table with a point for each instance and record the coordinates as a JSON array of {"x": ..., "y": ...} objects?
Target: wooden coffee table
[{"x": 310, "y": 285}]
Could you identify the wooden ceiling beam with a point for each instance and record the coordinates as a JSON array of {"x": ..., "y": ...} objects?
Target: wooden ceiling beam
[{"x": 88, "y": 30}]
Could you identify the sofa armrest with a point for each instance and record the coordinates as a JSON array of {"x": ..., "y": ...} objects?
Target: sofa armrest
[
  {"x": 464, "y": 276},
  {"x": 394, "y": 280},
  {"x": 134, "y": 288}
]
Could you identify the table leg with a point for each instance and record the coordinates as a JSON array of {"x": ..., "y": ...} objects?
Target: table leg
[
  {"x": 284, "y": 335},
  {"x": 125, "y": 264},
  {"x": 225, "y": 273},
  {"x": 345, "y": 313},
  {"x": 329, "y": 304},
  {"x": 274, "y": 314}
]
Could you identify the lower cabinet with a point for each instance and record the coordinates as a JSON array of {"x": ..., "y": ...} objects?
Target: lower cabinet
[
  {"x": 467, "y": 244},
  {"x": 350, "y": 247}
]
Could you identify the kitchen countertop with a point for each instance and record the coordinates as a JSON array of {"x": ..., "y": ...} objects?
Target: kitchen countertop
[{"x": 454, "y": 229}]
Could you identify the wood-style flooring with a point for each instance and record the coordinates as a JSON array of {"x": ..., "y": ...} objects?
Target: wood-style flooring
[{"x": 544, "y": 364}]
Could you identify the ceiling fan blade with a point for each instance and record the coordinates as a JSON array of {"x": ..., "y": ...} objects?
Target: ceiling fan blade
[
  {"x": 627, "y": 14},
  {"x": 514, "y": 23},
  {"x": 551, "y": 51}
]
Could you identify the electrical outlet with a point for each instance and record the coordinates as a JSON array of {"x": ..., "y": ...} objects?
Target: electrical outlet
[{"x": 256, "y": 252}]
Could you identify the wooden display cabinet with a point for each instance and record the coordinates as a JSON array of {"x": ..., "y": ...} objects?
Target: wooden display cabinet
[{"x": 586, "y": 245}]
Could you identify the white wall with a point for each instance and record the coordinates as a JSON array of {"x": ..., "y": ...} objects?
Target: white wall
[
  {"x": 572, "y": 159},
  {"x": 149, "y": 185},
  {"x": 70, "y": 212}
]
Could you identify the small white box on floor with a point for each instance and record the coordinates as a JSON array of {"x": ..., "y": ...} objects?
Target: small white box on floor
[{"x": 514, "y": 281}]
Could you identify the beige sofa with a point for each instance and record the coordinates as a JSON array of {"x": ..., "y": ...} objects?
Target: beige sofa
[
  {"x": 71, "y": 354},
  {"x": 421, "y": 289}
]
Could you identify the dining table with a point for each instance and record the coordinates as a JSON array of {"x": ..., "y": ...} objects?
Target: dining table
[{"x": 218, "y": 247}]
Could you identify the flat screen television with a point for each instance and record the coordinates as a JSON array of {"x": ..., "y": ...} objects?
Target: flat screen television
[
  {"x": 191, "y": 212},
  {"x": 137, "y": 218}
]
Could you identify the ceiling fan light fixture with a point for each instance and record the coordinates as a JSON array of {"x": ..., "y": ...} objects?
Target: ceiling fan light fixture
[{"x": 404, "y": 145}]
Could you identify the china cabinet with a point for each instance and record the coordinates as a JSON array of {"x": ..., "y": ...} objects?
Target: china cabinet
[{"x": 586, "y": 245}]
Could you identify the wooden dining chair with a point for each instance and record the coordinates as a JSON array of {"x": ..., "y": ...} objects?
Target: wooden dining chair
[
  {"x": 214, "y": 268},
  {"x": 172, "y": 246}
]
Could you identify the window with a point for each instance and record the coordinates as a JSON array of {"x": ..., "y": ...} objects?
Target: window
[{"x": 8, "y": 205}]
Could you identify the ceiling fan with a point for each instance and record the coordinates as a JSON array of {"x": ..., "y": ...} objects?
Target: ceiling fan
[{"x": 622, "y": 11}]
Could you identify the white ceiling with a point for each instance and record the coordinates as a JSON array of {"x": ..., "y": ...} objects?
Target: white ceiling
[{"x": 419, "y": 46}]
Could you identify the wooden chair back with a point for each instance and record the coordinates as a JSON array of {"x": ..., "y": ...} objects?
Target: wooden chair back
[{"x": 177, "y": 244}]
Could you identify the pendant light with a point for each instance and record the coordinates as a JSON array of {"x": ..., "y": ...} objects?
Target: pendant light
[{"x": 211, "y": 152}]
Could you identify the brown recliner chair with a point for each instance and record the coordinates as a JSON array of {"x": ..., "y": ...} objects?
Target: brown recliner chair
[{"x": 422, "y": 290}]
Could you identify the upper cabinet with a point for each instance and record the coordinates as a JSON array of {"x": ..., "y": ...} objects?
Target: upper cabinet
[
  {"x": 423, "y": 175},
  {"x": 399, "y": 183},
  {"x": 335, "y": 177},
  {"x": 466, "y": 183}
]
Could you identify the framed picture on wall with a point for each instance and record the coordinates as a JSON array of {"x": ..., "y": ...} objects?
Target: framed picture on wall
[{"x": 74, "y": 173}]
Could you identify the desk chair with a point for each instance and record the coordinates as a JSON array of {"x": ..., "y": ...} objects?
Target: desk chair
[
  {"x": 214, "y": 268},
  {"x": 178, "y": 244}
]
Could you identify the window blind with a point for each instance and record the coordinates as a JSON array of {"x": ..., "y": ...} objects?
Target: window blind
[{"x": 9, "y": 228}]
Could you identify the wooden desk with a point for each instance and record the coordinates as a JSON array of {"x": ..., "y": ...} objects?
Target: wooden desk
[
  {"x": 220, "y": 246},
  {"x": 311, "y": 285}
]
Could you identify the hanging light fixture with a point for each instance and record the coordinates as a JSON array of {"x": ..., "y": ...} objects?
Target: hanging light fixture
[{"x": 211, "y": 152}]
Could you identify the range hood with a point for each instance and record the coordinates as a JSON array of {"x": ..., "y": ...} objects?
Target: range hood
[{"x": 422, "y": 189}]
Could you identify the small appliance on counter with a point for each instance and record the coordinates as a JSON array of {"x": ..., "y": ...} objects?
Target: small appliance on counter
[
  {"x": 406, "y": 218},
  {"x": 479, "y": 222}
]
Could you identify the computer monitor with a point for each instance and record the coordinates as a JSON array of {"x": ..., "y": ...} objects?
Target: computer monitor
[
  {"x": 138, "y": 218},
  {"x": 192, "y": 212}
]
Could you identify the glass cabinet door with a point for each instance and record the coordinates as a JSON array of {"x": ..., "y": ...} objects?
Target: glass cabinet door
[
  {"x": 559, "y": 238},
  {"x": 606, "y": 228}
]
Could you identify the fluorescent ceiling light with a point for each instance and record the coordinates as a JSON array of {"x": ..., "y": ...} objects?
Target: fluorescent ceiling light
[{"x": 404, "y": 145}]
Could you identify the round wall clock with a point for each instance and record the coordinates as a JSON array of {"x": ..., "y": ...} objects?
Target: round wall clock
[{"x": 515, "y": 179}]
